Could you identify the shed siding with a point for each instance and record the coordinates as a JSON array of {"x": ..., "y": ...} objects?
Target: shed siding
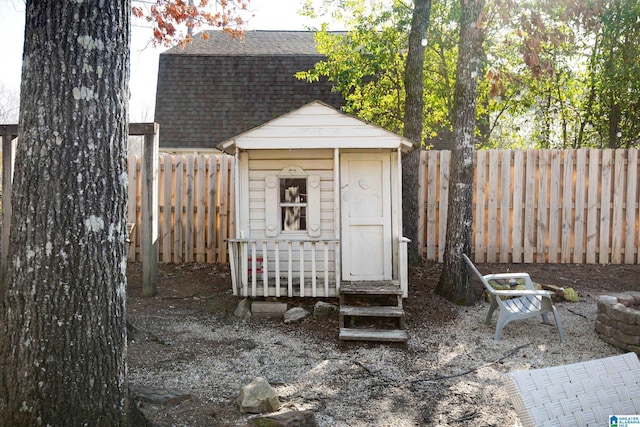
[{"x": 263, "y": 163}]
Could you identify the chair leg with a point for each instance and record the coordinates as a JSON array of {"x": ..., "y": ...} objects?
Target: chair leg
[
  {"x": 545, "y": 319},
  {"x": 556, "y": 317},
  {"x": 499, "y": 325},
  {"x": 492, "y": 308}
]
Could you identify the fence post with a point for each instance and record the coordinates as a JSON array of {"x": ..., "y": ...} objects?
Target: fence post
[
  {"x": 149, "y": 236},
  {"x": 9, "y": 133}
]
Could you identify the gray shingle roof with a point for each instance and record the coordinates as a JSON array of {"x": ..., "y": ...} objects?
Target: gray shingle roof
[
  {"x": 209, "y": 92},
  {"x": 254, "y": 43}
]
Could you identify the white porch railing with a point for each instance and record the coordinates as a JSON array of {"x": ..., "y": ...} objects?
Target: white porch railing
[
  {"x": 403, "y": 274},
  {"x": 307, "y": 267}
]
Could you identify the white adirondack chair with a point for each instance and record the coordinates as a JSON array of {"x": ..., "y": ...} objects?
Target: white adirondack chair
[{"x": 516, "y": 304}]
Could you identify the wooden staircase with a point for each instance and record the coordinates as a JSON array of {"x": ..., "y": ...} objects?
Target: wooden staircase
[{"x": 378, "y": 303}]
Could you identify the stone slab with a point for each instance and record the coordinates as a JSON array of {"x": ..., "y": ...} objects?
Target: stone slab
[{"x": 268, "y": 309}]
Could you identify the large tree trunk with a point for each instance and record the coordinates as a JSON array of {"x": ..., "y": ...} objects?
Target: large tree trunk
[
  {"x": 413, "y": 122},
  {"x": 63, "y": 353},
  {"x": 454, "y": 283}
]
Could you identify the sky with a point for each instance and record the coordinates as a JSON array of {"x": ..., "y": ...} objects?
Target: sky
[{"x": 267, "y": 15}]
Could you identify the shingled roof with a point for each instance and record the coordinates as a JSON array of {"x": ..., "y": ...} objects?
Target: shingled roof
[
  {"x": 215, "y": 89},
  {"x": 254, "y": 43}
]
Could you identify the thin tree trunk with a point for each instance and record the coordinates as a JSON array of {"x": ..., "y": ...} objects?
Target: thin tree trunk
[
  {"x": 64, "y": 351},
  {"x": 413, "y": 123},
  {"x": 587, "y": 109},
  {"x": 615, "y": 116},
  {"x": 454, "y": 283}
]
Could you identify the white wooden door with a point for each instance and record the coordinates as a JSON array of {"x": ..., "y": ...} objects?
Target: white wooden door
[{"x": 366, "y": 216}]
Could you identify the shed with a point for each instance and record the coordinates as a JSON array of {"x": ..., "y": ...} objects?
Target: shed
[{"x": 318, "y": 205}]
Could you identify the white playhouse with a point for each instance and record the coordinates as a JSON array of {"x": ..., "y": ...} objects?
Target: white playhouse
[{"x": 318, "y": 206}]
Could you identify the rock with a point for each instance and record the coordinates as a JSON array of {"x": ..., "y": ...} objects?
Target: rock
[
  {"x": 608, "y": 299},
  {"x": 323, "y": 310},
  {"x": 295, "y": 314},
  {"x": 243, "y": 310},
  {"x": 258, "y": 397},
  {"x": 624, "y": 298},
  {"x": 286, "y": 419},
  {"x": 163, "y": 396},
  {"x": 260, "y": 309}
]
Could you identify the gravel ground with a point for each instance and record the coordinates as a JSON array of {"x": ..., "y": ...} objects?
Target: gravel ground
[{"x": 449, "y": 373}]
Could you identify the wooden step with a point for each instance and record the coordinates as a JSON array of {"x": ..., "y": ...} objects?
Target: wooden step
[
  {"x": 390, "y": 335},
  {"x": 371, "y": 288},
  {"x": 376, "y": 311},
  {"x": 363, "y": 299}
]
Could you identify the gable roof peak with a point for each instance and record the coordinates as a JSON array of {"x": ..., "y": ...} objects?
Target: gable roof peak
[{"x": 316, "y": 125}]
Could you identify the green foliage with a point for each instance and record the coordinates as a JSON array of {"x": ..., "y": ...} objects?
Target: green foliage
[
  {"x": 440, "y": 66},
  {"x": 561, "y": 74},
  {"x": 570, "y": 294},
  {"x": 367, "y": 64},
  {"x": 617, "y": 76}
]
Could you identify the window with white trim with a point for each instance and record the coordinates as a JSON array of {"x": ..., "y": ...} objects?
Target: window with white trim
[{"x": 293, "y": 204}]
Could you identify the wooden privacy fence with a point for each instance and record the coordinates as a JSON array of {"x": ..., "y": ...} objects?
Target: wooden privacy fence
[
  {"x": 142, "y": 205},
  {"x": 540, "y": 206},
  {"x": 196, "y": 207},
  {"x": 537, "y": 206}
]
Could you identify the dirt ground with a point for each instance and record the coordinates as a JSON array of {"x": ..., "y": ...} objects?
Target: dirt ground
[{"x": 202, "y": 294}]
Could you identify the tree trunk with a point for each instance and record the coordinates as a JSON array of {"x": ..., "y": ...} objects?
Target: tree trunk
[
  {"x": 413, "y": 122},
  {"x": 454, "y": 283},
  {"x": 615, "y": 116},
  {"x": 63, "y": 354}
]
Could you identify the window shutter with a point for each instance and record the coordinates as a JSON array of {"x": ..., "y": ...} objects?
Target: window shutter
[
  {"x": 271, "y": 197},
  {"x": 313, "y": 205}
]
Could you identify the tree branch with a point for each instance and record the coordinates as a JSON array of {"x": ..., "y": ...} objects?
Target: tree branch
[{"x": 498, "y": 360}]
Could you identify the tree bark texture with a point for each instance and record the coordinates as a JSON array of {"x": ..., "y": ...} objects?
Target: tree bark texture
[
  {"x": 413, "y": 123},
  {"x": 64, "y": 352},
  {"x": 454, "y": 283}
]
